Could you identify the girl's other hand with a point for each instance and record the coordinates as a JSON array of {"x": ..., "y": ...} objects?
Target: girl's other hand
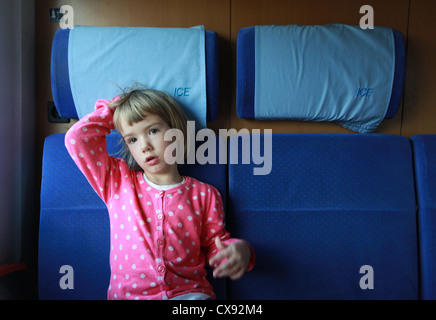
[{"x": 233, "y": 259}]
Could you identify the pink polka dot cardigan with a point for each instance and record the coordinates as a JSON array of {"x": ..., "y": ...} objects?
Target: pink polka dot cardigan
[{"x": 160, "y": 240}]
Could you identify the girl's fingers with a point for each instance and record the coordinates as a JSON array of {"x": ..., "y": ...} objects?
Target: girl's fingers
[
  {"x": 219, "y": 244},
  {"x": 233, "y": 267},
  {"x": 220, "y": 255},
  {"x": 237, "y": 273}
]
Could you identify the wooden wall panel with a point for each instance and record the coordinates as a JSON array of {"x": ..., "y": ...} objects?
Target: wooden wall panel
[
  {"x": 419, "y": 100},
  {"x": 246, "y": 13}
]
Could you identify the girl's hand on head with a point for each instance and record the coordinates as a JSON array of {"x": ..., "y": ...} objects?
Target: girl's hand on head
[
  {"x": 112, "y": 103},
  {"x": 236, "y": 256}
]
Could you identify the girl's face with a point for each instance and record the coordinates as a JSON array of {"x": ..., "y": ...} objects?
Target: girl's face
[{"x": 145, "y": 140}]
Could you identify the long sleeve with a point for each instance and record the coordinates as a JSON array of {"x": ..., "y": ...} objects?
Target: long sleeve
[{"x": 86, "y": 143}]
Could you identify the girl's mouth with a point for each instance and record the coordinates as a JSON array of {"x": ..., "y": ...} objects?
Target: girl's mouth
[{"x": 152, "y": 160}]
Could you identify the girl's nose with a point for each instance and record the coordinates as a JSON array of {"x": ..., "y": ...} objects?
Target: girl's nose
[{"x": 146, "y": 147}]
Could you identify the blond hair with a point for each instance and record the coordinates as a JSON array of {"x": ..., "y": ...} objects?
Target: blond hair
[{"x": 134, "y": 105}]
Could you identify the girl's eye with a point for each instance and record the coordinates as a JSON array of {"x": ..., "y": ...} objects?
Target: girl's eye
[
  {"x": 153, "y": 131},
  {"x": 131, "y": 140}
]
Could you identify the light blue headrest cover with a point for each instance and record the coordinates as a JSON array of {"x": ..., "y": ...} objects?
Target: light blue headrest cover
[
  {"x": 102, "y": 59},
  {"x": 334, "y": 72}
]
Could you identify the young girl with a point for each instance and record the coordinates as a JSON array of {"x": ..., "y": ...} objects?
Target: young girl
[{"x": 164, "y": 227}]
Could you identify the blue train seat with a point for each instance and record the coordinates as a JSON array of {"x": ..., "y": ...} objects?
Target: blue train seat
[{"x": 334, "y": 219}]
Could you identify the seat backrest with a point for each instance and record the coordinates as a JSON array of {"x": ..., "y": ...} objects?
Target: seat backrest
[
  {"x": 334, "y": 219},
  {"x": 73, "y": 231},
  {"x": 424, "y": 151}
]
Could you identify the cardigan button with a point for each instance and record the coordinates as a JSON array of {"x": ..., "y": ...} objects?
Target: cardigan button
[{"x": 161, "y": 268}]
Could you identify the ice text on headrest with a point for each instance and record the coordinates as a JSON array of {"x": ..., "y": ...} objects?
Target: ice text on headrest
[
  {"x": 182, "y": 92},
  {"x": 364, "y": 92}
]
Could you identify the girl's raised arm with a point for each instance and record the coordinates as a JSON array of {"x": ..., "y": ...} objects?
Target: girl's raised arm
[{"x": 86, "y": 143}]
